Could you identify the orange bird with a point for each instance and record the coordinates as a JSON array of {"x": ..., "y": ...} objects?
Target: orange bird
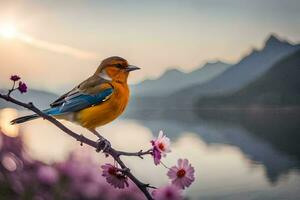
[{"x": 96, "y": 101}]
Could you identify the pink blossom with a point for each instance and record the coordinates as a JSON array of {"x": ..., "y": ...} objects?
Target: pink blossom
[
  {"x": 156, "y": 155},
  {"x": 83, "y": 173},
  {"x": 162, "y": 143},
  {"x": 182, "y": 175},
  {"x": 161, "y": 146},
  {"x": 22, "y": 87},
  {"x": 47, "y": 175},
  {"x": 15, "y": 78},
  {"x": 114, "y": 176},
  {"x": 168, "y": 192}
]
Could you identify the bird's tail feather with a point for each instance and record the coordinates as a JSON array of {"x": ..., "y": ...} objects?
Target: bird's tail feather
[
  {"x": 24, "y": 119},
  {"x": 51, "y": 111}
]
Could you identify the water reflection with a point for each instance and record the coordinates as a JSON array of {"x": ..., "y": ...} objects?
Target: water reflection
[
  {"x": 268, "y": 138},
  {"x": 5, "y": 116},
  {"x": 232, "y": 161}
]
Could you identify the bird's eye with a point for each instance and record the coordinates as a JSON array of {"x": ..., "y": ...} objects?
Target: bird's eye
[{"x": 119, "y": 66}]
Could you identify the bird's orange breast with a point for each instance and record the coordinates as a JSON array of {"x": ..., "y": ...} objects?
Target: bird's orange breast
[{"x": 107, "y": 111}]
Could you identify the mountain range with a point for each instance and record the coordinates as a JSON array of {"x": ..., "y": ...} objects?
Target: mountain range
[
  {"x": 280, "y": 85},
  {"x": 174, "y": 80},
  {"x": 232, "y": 79},
  {"x": 241, "y": 74}
]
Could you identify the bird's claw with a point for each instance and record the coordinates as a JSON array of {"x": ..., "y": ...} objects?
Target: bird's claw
[
  {"x": 103, "y": 144},
  {"x": 126, "y": 170}
]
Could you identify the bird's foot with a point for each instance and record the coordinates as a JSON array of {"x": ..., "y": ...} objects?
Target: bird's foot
[
  {"x": 125, "y": 170},
  {"x": 103, "y": 144}
]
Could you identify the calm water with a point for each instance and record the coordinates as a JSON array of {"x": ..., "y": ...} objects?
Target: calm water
[{"x": 236, "y": 156}]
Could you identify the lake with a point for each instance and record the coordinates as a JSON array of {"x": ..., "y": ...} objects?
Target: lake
[{"x": 236, "y": 155}]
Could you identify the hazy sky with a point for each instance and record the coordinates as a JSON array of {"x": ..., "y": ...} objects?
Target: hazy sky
[{"x": 61, "y": 43}]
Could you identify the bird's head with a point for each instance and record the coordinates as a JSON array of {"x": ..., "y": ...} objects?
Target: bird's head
[{"x": 115, "y": 69}]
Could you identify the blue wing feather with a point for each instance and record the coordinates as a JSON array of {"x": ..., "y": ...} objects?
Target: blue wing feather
[{"x": 79, "y": 102}]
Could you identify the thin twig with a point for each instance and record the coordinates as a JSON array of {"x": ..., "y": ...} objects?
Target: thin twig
[
  {"x": 12, "y": 89},
  {"x": 112, "y": 152},
  {"x": 140, "y": 154},
  {"x": 163, "y": 164}
]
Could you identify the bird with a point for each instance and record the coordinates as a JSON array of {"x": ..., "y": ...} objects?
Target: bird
[{"x": 96, "y": 101}]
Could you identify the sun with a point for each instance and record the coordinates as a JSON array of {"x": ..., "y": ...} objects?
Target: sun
[{"x": 8, "y": 31}]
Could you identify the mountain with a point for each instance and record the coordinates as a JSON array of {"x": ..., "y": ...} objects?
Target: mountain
[
  {"x": 165, "y": 85},
  {"x": 41, "y": 99},
  {"x": 279, "y": 86},
  {"x": 239, "y": 75}
]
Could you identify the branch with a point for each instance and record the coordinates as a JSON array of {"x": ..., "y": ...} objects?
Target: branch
[{"x": 112, "y": 152}]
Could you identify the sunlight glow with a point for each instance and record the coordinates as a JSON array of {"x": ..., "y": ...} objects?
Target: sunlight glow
[
  {"x": 56, "y": 47},
  {"x": 8, "y": 31},
  {"x": 6, "y": 115}
]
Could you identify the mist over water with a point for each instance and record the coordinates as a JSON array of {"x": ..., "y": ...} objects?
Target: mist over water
[{"x": 236, "y": 156}]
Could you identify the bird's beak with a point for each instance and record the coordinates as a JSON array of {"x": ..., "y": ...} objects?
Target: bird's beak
[{"x": 132, "y": 68}]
